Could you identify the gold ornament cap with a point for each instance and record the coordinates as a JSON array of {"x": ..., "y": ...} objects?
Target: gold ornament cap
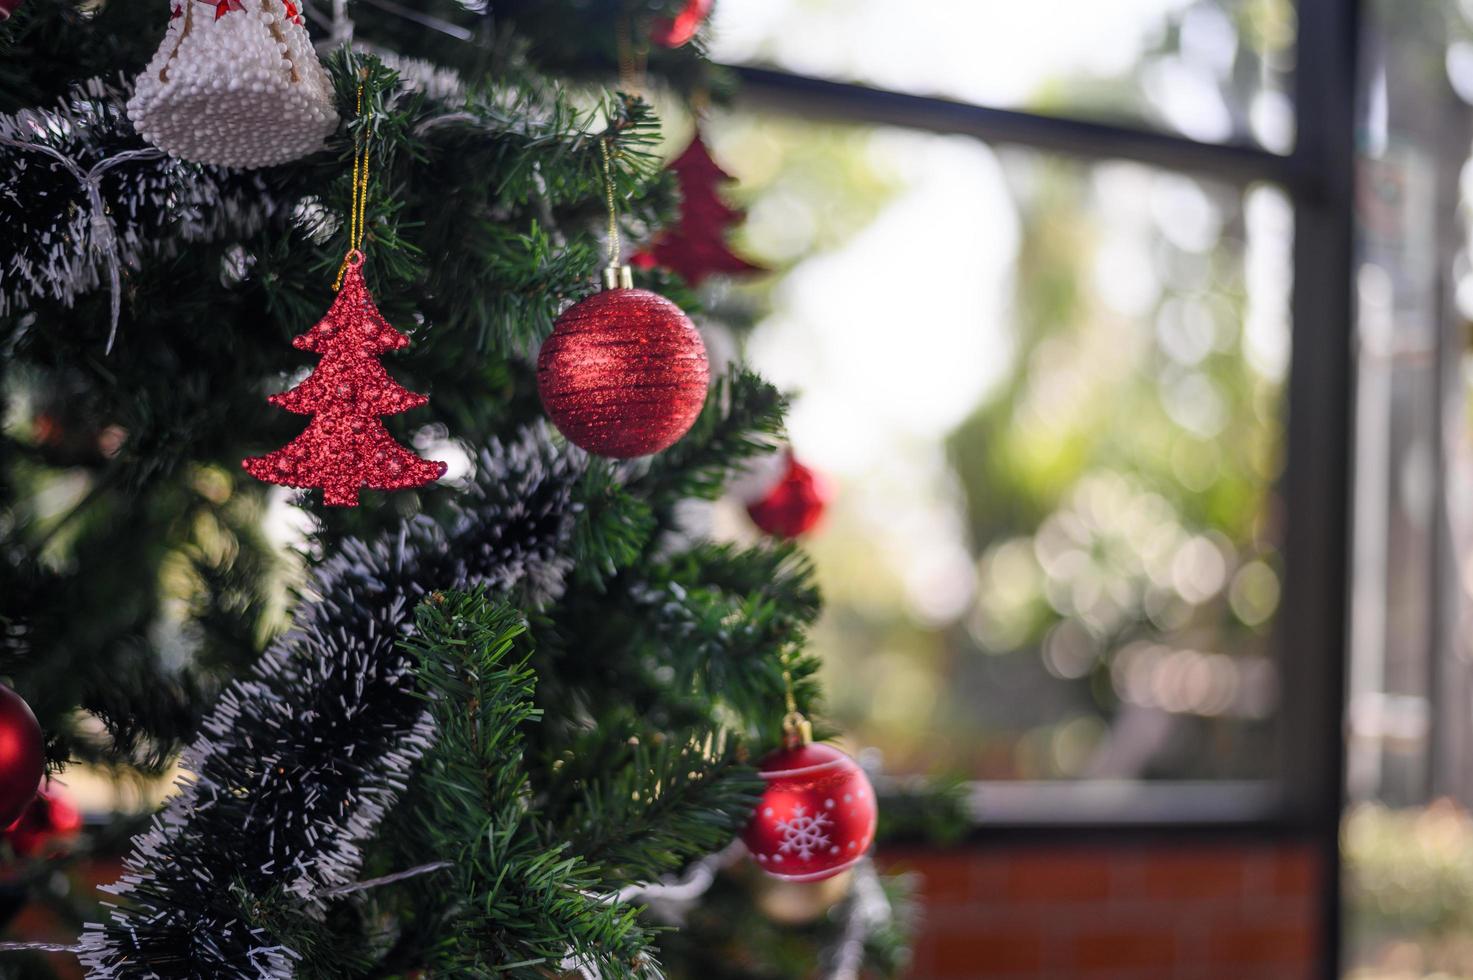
[
  {"x": 618, "y": 277},
  {"x": 797, "y": 730}
]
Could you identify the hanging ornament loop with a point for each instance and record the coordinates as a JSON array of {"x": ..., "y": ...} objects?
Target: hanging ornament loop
[
  {"x": 358, "y": 207},
  {"x": 797, "y": 729},
  {"x": 616, "y": 275}
]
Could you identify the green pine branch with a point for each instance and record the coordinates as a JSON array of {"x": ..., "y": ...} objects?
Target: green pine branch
[
  {"x": 652, "y": 803},
  {"x": 742, "y": 419},
  {"x": 515, "y": 904}
]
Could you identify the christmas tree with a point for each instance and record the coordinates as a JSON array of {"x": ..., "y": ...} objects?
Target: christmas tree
[{"x": 504, "y": 724}]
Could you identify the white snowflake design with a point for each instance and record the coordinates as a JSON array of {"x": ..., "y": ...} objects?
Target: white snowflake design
[{"x": 803, "y": 833}]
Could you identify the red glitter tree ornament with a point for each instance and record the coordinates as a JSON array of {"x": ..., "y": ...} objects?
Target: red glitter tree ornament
[
  {"x": 817, "y": 814},
  {"x": 794, "y": 505},
  {"x": 22, "y": 755},
  {"x": 345, "y": 446},
  {"x": 695, "y": 246},
  {"x": 673, "y": 32},
  {"x": 624, "y": 373}
]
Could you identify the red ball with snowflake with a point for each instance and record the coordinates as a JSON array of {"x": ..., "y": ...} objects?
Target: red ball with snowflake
[{"x": 817, "y": 815}]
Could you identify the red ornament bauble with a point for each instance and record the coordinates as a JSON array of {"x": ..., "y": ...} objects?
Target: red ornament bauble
[
  {"x": 48, "y": 820},
  {"x": 8, "y": 7},
  {"x": 623, "y": 374},
  {"x": 22, "y": 756},
  {"x": 817, "y": 815},
  {"x": 794, "y": 504},
  {"x": 672, "y": 32}
]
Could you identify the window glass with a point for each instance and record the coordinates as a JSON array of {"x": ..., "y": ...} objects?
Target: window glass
[{"x": 1049, "y": 398}]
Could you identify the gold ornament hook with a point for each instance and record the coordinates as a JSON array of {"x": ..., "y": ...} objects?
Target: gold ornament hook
[
  {"x": 616, "y": 275},
  {"x": 797, "y": 729},
  {"x": 358, "y": 207}
]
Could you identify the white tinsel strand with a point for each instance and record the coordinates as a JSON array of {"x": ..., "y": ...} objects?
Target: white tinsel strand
[
  {"x": 672, "y": 896},
  {"x": 867, "y": 910},
  {"x": 81, "y": 201},
  {"x": 103, "y": 239}
]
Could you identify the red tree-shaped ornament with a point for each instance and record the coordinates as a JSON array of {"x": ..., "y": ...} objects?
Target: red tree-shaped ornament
[
  {"x": 345, "y": 446},
  {"x": 695, "y": 246}
]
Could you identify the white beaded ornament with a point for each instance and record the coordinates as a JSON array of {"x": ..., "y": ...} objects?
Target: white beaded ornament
[{"x": 235, "y": 83}]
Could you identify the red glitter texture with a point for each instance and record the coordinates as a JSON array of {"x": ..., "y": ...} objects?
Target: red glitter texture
[
  {"x": 623, "y": 374},
  {"x": 672, "y": 32},
  {"x": 816, "y": 817},
  {"x": 345, "y": 446},
  {"x": 22, "y": 756},
  {"x": 695, "y": 246},
  {"x": 794, "y": 505}
]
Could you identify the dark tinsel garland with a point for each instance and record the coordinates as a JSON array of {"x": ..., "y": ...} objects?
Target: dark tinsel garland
[{"x": 299, "y": 762}]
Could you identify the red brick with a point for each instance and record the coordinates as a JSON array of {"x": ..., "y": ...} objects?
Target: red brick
[
  {"x": 946, "y": 878},
  {"x": 1068, "y": 876},
  {"x": 1296, "y": 874},
  {"x": 1206, "y": 874},
  {"x": 1124, "y": 949},
  {"x": 1281, "y": 945},
  {"x": 985, "y": 952},
  {"x": 1300, "y": 971}
]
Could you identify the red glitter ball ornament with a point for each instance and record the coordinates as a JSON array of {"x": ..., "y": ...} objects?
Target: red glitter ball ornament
[
  {"x": 22, "y": 755},
  {"x": 794, "y": 505},
  {"x": 817, "y": 815},
  {"x": 345, "y": 446},
  {"x": 623, "y": 374},
  {"x": 673, "y": 32},
  {"x": 47, "y": 821}
]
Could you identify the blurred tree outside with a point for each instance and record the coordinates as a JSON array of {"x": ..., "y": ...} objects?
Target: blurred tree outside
[{"x": 1055, "y": 420}]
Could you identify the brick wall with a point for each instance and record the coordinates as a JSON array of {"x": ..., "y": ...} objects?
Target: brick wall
[{"x": 1113, "y": 910}]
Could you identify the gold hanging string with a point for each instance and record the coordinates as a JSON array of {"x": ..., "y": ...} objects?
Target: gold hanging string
[
  {"x": 626, "y": 53},
  {"x": 632, "y": 59},
  {"x": 603, "y": 145},
  {"x": 357, "y": 209},
  {"x": 797, "y": 729},
  {"x": 616, "y": 276}
]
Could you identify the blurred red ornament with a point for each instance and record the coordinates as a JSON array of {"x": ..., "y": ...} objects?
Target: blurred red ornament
[
  {"x": 624, "y": 373},
  {"x": 695, "y": 246},
  {"x": 345, "y": 446},
  {"x": 8, "y": 7},
  {"x": 672, "y": 32},
  {"x": 48, "y": 820},
  {"x": 816, "y": 817},
  {"x": 22, "y": 755},
  {"x": 794, "y": 504}
]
